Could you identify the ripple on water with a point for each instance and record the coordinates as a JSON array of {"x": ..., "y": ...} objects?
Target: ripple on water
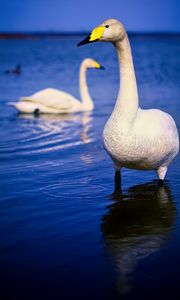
[
  {"x": 45, "y": 134},
  {"x": 67, "y": 189}
]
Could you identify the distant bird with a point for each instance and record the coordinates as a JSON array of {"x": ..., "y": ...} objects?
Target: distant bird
[
  {"x": 16, "y": 71},
  {"x": 56, "y": 101},
  {"x": 134, "y": 138}
]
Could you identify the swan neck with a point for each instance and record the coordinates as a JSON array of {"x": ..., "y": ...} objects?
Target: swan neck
[
  {"x": 127, "y": 101},
  {"x": 85, "y": 97}
]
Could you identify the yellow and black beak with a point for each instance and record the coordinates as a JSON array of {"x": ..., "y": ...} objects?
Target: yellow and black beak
[
  {"x": 85, "y": 41},
  {"x": 98, "y": 66},
  {"x": 94, "y": 36}
]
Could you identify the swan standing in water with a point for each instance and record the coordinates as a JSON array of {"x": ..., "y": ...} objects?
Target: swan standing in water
[
  {"x": 55, "y": 101},
  {"x": 133, "y": 137}
]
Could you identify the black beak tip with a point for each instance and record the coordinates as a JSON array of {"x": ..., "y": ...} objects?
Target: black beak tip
[
  {"x": 102, "y": 68},
  {"x": 79, "y": 44},
  {"x": 85, "y": 41}
]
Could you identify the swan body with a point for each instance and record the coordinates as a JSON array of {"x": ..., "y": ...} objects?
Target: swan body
[
  {"x": 133, "y": 137},
  {"x": 146, "y": 145},
  {"x": 56, "y": 101},
  {"x": 49, "y": 101}
]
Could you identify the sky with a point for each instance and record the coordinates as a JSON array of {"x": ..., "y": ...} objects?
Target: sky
[{"x": 83, "y": 15}]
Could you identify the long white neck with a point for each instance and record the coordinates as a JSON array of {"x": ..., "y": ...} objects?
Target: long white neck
[
  {"x": 127, "y": 101},
  {"x": 85, "y": 97}
]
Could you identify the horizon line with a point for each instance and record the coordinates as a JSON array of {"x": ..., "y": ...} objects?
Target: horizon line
[
  {"x": 50, "y": 33},
  {"x": 80, "y": 31}
]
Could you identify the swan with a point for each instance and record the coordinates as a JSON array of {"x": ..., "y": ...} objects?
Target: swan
[
  {"x": 55, "y": 101},
  {"x": 133, "y": 137}
]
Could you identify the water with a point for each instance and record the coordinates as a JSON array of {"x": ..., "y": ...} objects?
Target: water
[{"x": 64, "y": 231}]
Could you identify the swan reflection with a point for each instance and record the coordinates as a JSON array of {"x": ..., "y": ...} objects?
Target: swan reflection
[
  {"x": 54, "y": 132},
  {"x": 136, "y": 225}
]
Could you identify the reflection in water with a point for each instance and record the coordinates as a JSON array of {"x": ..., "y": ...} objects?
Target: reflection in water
[
  {"x": 86, "y": 124},
  {"x": 53, "y": 132},
  {"x": 135, "y": 226}
]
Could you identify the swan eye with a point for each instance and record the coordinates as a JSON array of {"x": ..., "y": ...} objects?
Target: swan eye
[{"x": 107, "y": 26}]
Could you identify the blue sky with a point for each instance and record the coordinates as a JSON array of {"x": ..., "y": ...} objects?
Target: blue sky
[{"x": 82, "y": 15}]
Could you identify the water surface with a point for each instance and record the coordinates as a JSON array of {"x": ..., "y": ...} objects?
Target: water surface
[{"x": 65, "y": 231}]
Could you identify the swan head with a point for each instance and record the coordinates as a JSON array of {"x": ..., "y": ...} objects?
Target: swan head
[
  {"x": 110, "y": 30},
  {"x": 91, "y": 63}
]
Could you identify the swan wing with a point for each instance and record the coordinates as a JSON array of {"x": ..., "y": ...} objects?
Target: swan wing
[
  {"x": 53, "y": 98},
  {"x": 31, "y": 107},
  {"x": 154, "y": 122},
  {"x": 158, "y": 129}
]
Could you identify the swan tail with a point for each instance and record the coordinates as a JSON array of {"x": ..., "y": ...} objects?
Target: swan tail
[
  {"x": 24, "y": 107},
  {"x": 14, "y": 104}
]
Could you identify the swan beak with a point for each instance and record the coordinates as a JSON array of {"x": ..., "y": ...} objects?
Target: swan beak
[
  {"x": 98, "y": 66},
  {"x": 94, "y": 36}
]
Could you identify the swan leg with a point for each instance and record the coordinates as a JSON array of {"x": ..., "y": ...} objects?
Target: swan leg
[
  {"x": 160, "y": 182},
  {"x": 161, "y": 171},
  {"x": 117, "y": 178},
  {"x": 36, "y": 112}
]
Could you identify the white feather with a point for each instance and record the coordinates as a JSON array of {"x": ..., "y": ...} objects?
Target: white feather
[{"x": 133, "y": 137}]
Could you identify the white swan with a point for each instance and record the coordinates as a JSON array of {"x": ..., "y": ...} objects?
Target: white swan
[
  {"x": 134, "y": 138},
  {"x": 55, "y": 101}
]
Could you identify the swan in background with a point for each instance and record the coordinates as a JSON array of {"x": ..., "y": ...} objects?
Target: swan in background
[
  {"x": 55, "y": 101},
  {"x": 133, "y": 137}
]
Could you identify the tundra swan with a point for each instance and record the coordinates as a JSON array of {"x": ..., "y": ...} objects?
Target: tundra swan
[
  {"x": 133, "y": 137},
  {"x": 55, "y": 101}
]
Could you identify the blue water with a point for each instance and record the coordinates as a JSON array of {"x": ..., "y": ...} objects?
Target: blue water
[{"x": 65, "y": 232}]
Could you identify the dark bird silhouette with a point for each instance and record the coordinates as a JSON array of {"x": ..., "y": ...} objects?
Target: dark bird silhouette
[{"x": 16, "y": 70}]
